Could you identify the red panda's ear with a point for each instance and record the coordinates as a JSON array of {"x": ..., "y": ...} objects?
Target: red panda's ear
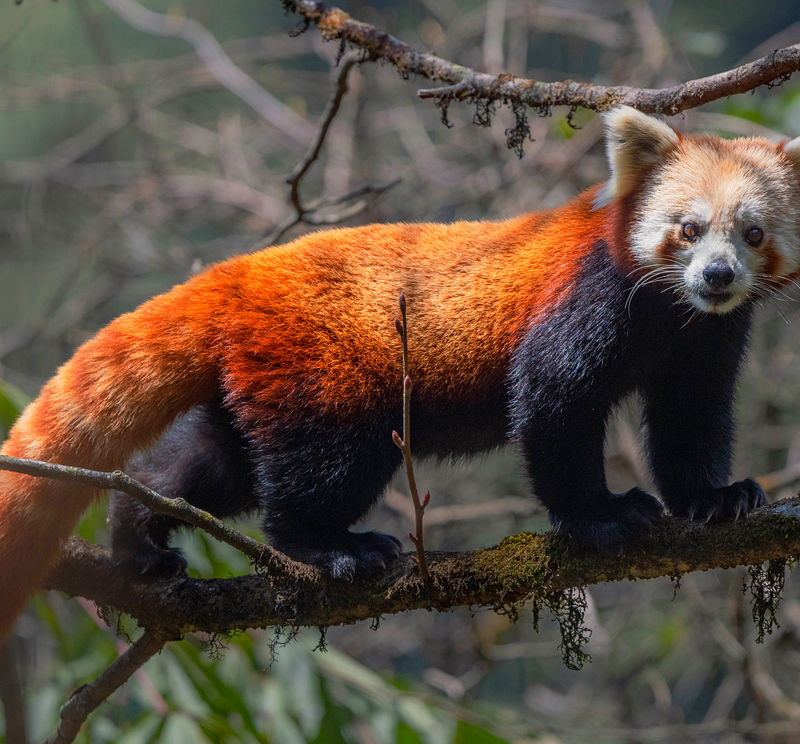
[
  {"x": 634, "y": 142},
  {"x": 792, "y": 149}
]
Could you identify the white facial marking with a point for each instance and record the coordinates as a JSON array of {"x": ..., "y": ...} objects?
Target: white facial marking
[
  {"x": 721, "y": 223},
  {"x": 718, "y": 248}
]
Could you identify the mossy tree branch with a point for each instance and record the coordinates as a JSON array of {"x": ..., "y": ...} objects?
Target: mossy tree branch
[{"x": 522, "y": 567}]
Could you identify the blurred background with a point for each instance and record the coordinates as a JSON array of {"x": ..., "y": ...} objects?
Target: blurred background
[{"x": 125, "y": 166}]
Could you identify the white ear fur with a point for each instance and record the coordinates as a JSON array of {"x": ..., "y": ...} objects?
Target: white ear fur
[
  {"x": 792, "y": 149},
  {"x": 634, "y": 141}
]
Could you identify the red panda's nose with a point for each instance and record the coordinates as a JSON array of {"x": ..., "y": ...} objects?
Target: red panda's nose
[{"x": 718, "y": 274}]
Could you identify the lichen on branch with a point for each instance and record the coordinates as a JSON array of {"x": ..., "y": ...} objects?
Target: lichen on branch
[
  {"x": 520, "y": 568},
  {"x": 465, "y": 84}
]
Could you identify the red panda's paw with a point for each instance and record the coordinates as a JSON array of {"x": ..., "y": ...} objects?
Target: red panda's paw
[
  {"x": 726, "y": 503},
  {"x": 350, "y": 556},
  {"x": 620, "y": 519},
  {"x": 153, "y": 561}
]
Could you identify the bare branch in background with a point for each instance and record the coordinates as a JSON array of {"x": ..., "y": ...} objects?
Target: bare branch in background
[
  {"x": 237, "y": 81},
  {"x": 445, "y": 516},
  {"x": 465, "y": 84},
  {"x": 324, "y": 125},
  {"x": 307, "y": 213}
]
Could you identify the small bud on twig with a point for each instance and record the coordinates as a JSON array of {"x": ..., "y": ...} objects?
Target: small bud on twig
[
  {"x": 426, "y": 499},
  {"x": 397, "y": 440},
  {"x": 398, "y": 326},
  {"x": 408, "y": 385},
  {"x": 402, "y": 302}
]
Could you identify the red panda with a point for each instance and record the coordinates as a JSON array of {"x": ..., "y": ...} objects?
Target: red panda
[{"x": 274, "y": 375}]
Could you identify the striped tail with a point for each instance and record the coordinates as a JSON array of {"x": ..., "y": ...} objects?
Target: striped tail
[{"x": 116, "y": 395}]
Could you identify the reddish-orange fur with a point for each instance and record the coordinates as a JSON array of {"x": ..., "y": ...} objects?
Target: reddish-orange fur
[
  {"x": 318, "y": 313},
  {"x": 309, "y": 326}
]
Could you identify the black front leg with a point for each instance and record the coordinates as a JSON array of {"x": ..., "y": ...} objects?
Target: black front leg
[
  {"x": 566, "y": 375},
  {"x": 688, "y": 407},
  {"x": 564, "y": 457}
]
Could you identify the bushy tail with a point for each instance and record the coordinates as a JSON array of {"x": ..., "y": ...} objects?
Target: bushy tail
[{"x": 116, "y": 395}]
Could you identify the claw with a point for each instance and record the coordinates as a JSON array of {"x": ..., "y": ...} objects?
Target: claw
[
  {"x": 625, "y": 517},
  {"x": 728, "y": 502}
]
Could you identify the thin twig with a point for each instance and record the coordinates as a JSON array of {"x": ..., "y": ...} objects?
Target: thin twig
[
  {"x": 463, "y": 83},
  {"x": 261, "y": 554},
  {"x": 404, "y": 445},
  {"x": 76, "y": 710},
  {"x": 322, "y": 131},
  {"x": 305, "y": 213}
]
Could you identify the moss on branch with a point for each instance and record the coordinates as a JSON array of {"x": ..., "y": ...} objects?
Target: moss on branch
[{"x": 521, "y": 567}]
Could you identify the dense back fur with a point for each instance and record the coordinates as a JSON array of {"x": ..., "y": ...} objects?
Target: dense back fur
[{"x": 305, "y": 327}]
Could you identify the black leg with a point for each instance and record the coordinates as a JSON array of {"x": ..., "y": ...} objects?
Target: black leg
[
  {"x": 317, "y": 480},
  {"x": 566, "y": 376},
  {"x": 690, "y": 434},
  {"x": 688, "y": 407},
  {"x": 565, "y": 464},
  {"x": 201, "y": 458}
]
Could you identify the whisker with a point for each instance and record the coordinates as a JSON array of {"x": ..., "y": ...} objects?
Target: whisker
[
  {"x": 694, "y": 314},
  {"x": 769, "y": 290},
  {"x": 656, "y": 274}
]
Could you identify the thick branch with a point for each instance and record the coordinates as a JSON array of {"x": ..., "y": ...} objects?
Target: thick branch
[
  {"x": 11, "y": 695},
  {"x": 467, "y": 84},
  {"x": 521, "y": 567}
]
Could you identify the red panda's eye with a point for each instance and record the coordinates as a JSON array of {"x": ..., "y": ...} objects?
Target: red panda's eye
[
  {"x": 754, "y": 236},
  {"x": 690, "y": 230}
]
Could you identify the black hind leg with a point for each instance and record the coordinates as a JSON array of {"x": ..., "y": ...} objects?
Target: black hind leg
[
  {"x": 315, "y": 482},
  {"x": 201, "y": 458}
]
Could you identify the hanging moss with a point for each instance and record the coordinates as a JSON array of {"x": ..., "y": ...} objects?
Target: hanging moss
[
  {"x": 675, "y": 580},
  {"x": 766, "y": 590},
  {"x": 218, "y": 643},
  {"x": 568, "y": 608},
  {"x": 281, "y": 636}
]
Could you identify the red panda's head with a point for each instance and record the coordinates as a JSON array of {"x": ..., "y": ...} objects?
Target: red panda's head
[{"x": 717, "y": 220}]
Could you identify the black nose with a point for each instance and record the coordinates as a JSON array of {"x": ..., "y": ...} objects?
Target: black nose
[{"x": 718, "y": 274}]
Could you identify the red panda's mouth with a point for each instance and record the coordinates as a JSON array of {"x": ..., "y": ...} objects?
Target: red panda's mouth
[{"x": 716, "y": 296}]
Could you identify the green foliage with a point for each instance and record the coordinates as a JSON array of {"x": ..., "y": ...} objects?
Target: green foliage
[
  {"x": 12, "y": 401},
  {"x": 183, "y": 695}
]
